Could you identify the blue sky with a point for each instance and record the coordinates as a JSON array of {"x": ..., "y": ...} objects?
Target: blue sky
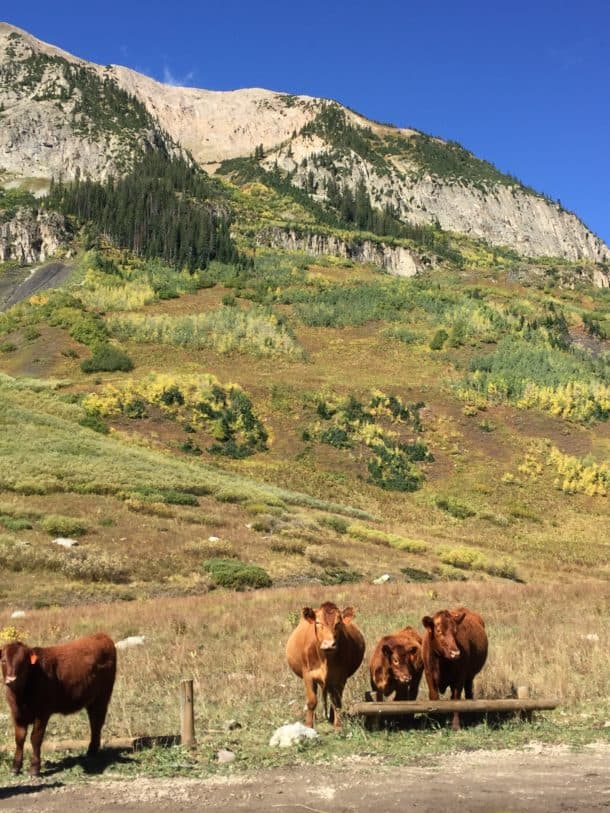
[{"x": 525, "y": 85}]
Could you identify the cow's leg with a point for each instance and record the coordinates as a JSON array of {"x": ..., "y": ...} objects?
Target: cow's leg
[
  {"x": 413, "y": 690},
  {"x": 311, "y": 695},
  {"x": 20, "y": 735},
  {"x": 432, "y": 679},
  {"x": 336, "y": 694},
  {"x": 38, "y": 729},
  {"x": 468, "y": 689},
  {"x": 456, "y": 692},
  {"x": 328, "y": 713},
  {"x": 97, "y": 715}
]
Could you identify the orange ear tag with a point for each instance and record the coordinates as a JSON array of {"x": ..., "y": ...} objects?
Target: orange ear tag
[{"x": 33, "y": 658}]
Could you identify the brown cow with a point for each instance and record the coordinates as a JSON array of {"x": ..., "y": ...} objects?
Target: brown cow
[
  {"x": 62, "y": 679},
  {"x": 397, "y": 665},
  {"x": 454, "y": 651},
  {"x": 325, "y": 649}
]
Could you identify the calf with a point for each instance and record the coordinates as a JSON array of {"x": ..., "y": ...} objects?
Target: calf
[
  {"x": 62, "y": 679},
  {"x": 325, "y": 649},
  {"x": 454, "y": 651},
  {"x": 397, "y": 665}
]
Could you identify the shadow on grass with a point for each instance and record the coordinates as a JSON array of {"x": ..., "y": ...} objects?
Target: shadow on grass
[
  {"x": 108, "y": 756},
  {"x": 423, "y": 722},
  {"x": 90, "y": 765}
]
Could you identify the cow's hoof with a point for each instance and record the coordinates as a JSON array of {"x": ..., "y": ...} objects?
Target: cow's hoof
[
  {"x": 35, "y": 772},
  {"x": 16, "y": 770}
]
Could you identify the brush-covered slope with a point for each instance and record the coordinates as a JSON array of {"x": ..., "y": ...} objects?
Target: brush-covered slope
[
  {"x": 60, "y": 114},
  {"x": 448, "y": 426}
]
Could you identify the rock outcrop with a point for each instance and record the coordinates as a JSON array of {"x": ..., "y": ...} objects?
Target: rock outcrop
[
  {"x": 32, "y": 236},
  {"x": 397, "y": 260}
]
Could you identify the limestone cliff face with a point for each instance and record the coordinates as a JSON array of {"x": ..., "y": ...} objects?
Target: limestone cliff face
[
  {"x": 396, "y": 260},
  {"x": 32, "y": 236},
  {"x": 59, "y": 114},
  {"x": 502, "y": 214}
]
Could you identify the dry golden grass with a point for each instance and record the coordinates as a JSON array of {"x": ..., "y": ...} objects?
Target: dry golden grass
[{"x": 553, "y": 638}]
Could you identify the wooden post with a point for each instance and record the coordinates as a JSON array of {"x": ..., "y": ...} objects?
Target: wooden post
[
  {"x": 187, "y": 714},
  {"x": 523, "y": 692}
]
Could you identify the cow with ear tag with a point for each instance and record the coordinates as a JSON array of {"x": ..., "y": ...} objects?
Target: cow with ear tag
[
  {"x": 454, "y": 651},
  {"x": 61, "y": 679},
  {"x": 325, "y": 649}
]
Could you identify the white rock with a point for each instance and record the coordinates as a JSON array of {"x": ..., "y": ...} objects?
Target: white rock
[
  {"x": 291, "y": 734},
  {"x": 213, "y": 539},
  {"x": 224, "y": 757},
  {"x": 65, "y": 543},
  {"x": 382, "y": 579},
  {"x": 592, "y": 636},
  {"x": 18, "y": 614},
  {"x": 132, "y": 640}
]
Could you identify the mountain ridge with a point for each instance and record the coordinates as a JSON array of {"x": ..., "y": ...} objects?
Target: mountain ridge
[{"x": 55, "y": 125}]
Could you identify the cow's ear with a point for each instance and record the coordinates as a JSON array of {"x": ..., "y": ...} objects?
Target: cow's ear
[
  {"x": 458, "y": 617},
  {"x": 348, "y": 615},
  {"x": 428, "y": 622},
  {"x": 387, "y": 651},
  {"x": 309, "y": 615}
]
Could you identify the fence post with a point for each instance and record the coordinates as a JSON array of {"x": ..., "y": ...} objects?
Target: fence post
[{"x": 187, "y": 714}]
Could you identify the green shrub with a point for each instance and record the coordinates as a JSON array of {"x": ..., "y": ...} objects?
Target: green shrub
[
  {"x": 264, "y": 523},
  {"x": 438, "y": 340},
  {"x": 95, "y": 423},
  {"x": 337, "y": 524},
  {"x": 7, "y": 347},
  {"x": 179, "y": 498},
  {"x": 454, "y": 507},
  {"x": 107, "y": 358},
  {"x": 58, "y": 525},
  {"x": 337, "y": 437},
  {"x": 236, "y": 575},
  {"x": 15, "y": 523}
]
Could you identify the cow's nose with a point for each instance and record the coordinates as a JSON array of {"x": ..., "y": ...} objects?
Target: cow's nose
[
  {"x": 10, "y": 679},
  {"x": 455, "y": 653},
  {"x": 327, "y": 645}
]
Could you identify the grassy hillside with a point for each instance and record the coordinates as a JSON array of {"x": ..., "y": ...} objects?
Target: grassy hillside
[{"x": 443, "y": 427}]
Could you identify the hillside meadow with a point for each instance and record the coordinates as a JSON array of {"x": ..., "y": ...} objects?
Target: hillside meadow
[{"x": 229, "y": 445}]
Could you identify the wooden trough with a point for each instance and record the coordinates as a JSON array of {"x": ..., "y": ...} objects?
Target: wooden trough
[{"x": 376, "y": 711}]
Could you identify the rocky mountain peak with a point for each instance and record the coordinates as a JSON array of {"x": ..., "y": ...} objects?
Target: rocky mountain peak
[{"x": 60, "y": 114}]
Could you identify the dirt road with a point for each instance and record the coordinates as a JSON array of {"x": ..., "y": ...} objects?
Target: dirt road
[{"x": 539, "y": 780}]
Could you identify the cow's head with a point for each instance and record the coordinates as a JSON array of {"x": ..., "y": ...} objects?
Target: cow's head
[
  {"x": 404, "y": 661},
  {"x": 442, "y": 629},
  {"x": 17, "y": 660},
  {"x": 328, "y": 621}
]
